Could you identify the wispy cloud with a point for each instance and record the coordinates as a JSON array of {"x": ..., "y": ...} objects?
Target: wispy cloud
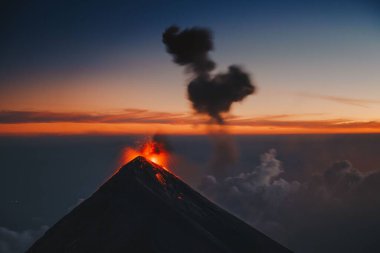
[
  {"x": 17, "y": 242},
  {"x": 307, "y": 124},
  {"x": 126, "y": 116},
  {"x": 140, "y": 116},
  {"x": 342, "y": 100}
]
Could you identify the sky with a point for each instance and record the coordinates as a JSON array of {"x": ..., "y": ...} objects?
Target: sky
[{"x": 78, "y": 67}]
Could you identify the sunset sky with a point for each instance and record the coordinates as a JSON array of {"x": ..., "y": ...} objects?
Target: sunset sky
[{"x": 94, "y": 67}]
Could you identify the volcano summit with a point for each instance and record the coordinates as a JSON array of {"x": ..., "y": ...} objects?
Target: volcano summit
[{"x": 144, "y": 208}]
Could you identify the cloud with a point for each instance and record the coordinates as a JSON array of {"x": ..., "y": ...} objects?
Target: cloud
[
  {"x": 335, "y": 210},
  {"x": 18, "y": 242},
  {"x": 139, "y": 116},
  {"x": 250, "y": 194},
  {"x": 305, "y": 124},
  {"x": 126, "y": 116},
  {"x": 342, "y": 100},
  {"x": 79, "y": 201}
]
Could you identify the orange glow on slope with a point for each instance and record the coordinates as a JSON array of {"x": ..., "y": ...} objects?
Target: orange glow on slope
[
  {"x": 160, "y": 179},
  {"x": 151, "y": 150}
]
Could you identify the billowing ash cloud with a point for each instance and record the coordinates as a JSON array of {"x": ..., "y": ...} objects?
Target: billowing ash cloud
[
  {"x": 190, "y": 48},
  {"x": 336, "y": 210},
  {"x": 211, "y": 95}
]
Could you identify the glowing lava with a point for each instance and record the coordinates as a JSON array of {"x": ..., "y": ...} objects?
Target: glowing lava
[{"x": 151, "y": 150}]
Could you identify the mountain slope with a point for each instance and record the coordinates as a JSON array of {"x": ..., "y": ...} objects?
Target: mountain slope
[{"x": 144, "y": 208}]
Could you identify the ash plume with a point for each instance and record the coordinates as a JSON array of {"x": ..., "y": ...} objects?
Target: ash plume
[
  {"x": 225, "y": 154},
  {"x": 210, "y": 95},
  {"x": 163, "y": 142}
]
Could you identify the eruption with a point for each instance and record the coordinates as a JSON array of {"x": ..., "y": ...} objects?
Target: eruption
[
  {"x": 211, "y": 95},
  {"x": 153, "y": 150}
]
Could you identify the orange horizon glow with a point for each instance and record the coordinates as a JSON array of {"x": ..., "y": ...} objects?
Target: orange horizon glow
[{"x": 67, "y": 128}]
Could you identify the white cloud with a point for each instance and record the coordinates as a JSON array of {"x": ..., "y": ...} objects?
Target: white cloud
[{"x": 17, "y": 242}]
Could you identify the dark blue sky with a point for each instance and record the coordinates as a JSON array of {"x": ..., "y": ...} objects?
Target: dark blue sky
[{"x": 39, "y": 35}]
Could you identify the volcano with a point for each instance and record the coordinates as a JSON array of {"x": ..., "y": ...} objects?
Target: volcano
[{"x": 144, "y": 208}]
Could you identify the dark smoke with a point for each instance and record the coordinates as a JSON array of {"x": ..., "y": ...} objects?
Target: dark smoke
[
  {"x": 211, "y": 95},
  {"x": 225, "y": 155},
  {"x": 190, "y": 48},
  {"x": 163, "y": 142}
]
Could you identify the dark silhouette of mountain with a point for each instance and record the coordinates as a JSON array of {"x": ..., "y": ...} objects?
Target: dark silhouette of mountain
[{"x": 144, "y": 208}]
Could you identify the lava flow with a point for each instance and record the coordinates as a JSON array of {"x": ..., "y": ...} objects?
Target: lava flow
[{"x": 151, "y": 150}]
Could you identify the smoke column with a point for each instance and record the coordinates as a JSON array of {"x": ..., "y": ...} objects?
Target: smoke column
[{"x": 211, "y": 95}]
